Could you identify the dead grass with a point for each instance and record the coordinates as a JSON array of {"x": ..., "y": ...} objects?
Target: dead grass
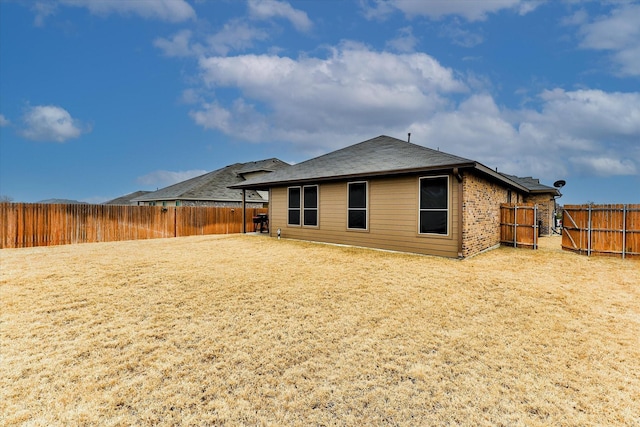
[{"x": 246, "y": 330}]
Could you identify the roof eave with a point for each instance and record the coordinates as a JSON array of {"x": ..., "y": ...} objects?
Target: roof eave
[
  {"x": 397, "y": 172},
  {"x": 496, "y": 175}
]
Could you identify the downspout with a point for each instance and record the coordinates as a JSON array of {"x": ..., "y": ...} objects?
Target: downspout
[
  {"x": 244, "y": 211},
  {"x": 458, "y": 176}
]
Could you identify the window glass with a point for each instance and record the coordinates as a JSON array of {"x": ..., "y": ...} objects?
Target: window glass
[
  {"x": 293, "y": 217},
  {"x": 358, "y": 195},
  {"x": 434, "y": 205},
  {"x": 358, "y": 219},
  {"x": 310, "y": 197},
  {"x": 357, "y": 207},
  {"x": 311, "y": 205},
  {"x": 294, "y": 197},
  {"x": 310, "y": 217},
  {"x": 433, "y": 222},
  {"x": 433, "y": 193}
]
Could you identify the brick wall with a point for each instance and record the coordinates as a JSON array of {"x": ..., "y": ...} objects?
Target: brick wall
[
  {"x": 481, "y": 213},
  {"x": 545, "y": 211}
]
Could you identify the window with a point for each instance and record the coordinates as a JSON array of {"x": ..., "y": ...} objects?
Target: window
[
  {"x": 434, "y": 205},
  {"x": 303, "y": 206},
  {"x": 294, "y": 206},
  {"x": 357, "y": 205},
  {"x": 310, "y": 207}
]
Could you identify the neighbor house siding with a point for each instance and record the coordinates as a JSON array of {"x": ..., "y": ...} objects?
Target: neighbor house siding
[
  {"x": 392, "y": 217},
  {"x": 481, "y": 213}
]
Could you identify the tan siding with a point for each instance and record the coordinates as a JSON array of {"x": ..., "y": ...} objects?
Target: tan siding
[{"x": 393, "y": 218}]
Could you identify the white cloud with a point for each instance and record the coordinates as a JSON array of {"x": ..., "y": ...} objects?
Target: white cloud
[
  {"x": 267, "y": 9},
  {"x": 42, "y": 11},
  {"x": 349, "y": 91},
  {"x": 241, "y": 120},
  {"x": 354, "y": 93},
  {"x": 4, "y": 121},
  {"x": 618, "y": 32},
  {"x": 235, "y": 35},
  {"x": 163, "y": 10},
  {"x": 405, "y": 42},
  {"x": 470, "y": 10},
  {"x": 593, "y": 113},
  {"x": 177, "y": 46},
  {"x": 459, "y": 35},
  {"x": 50, "y": 123},
  {"x": 163, "y": 178},
  {"x": 604, "y": 166}
]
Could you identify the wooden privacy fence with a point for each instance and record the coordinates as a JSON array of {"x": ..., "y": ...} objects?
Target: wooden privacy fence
[
  {"x": 32, "y": 224},
  {"x": 602, "y": 230},
  {"x": 519, "y": 225}
]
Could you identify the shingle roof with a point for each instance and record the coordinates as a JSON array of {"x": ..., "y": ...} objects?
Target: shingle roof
[
  {"x": 532, "y": 184},
  {"x": 267, "y": 165},
  {"x": 380, "y": 155},
  {"x": 215, "y": 185},
  {"x": 126, "y": 199},
  {"x": 383, "y": 155}
]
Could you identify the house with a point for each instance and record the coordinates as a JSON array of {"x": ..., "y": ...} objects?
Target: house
[
  {"x": 127, "y": 199},
  {"x": 390, "y": 194},
  {"x": 212, "y": 189},
  {"x": 542, "y": 195}
]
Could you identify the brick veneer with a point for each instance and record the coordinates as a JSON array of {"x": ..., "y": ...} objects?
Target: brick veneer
[
  {"x": 545, "y": 211},
  {"x": 481, "y": 213}
]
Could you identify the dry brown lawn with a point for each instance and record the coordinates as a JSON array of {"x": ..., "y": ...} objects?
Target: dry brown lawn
[{"x": 247, "y": 330}]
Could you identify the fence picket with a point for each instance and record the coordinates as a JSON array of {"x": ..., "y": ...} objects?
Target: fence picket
[
  {"x": 612, "y": 230},
  {"x": 36, "y": 224},
  {"x": 518, "y": 225}
]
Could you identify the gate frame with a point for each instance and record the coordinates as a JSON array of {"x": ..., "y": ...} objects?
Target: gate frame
[{"x": 515, "y": 226}]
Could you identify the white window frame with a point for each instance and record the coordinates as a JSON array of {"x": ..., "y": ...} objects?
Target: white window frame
[
  {"x": 447, "y": 210},
  {"x": 366, "y": 208},
  {"x": 303, "y": 209},
  {"x": 299, "y": 204}
]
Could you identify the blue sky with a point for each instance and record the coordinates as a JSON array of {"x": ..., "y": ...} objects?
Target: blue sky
[{"x": 102, "y": 98}]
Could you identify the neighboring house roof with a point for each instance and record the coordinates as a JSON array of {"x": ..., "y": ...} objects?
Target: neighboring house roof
[
  {"x": 382, "y": 155},
  {"x": 62, "y": 202},
  {"x": 214, "y": 186},
  {"x": 126, "y": 199},
  {"x": 268, "y": 165},
  {"x": 533, "y": 184}
]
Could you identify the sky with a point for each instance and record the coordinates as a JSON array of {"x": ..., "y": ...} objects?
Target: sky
[{"x": 102, "y": 98}]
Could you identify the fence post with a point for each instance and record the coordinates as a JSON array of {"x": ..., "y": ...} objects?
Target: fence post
[
  {"x": 515, "y": 226},
  {"x": 589, "y": 232},
  {"x": 535, "y": 226},
  {"x": 624, "y": 230}
]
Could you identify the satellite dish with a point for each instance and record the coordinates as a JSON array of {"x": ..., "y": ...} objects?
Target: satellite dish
[{"x": 560, "y": 183}]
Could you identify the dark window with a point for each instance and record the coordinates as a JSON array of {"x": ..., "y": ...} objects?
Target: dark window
[
  {"x": 434, "y": 205},
  {"x": 310, "y": 208},
  {"x": 357, "y": 209},
  {"x": 294, "y": 206}
]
